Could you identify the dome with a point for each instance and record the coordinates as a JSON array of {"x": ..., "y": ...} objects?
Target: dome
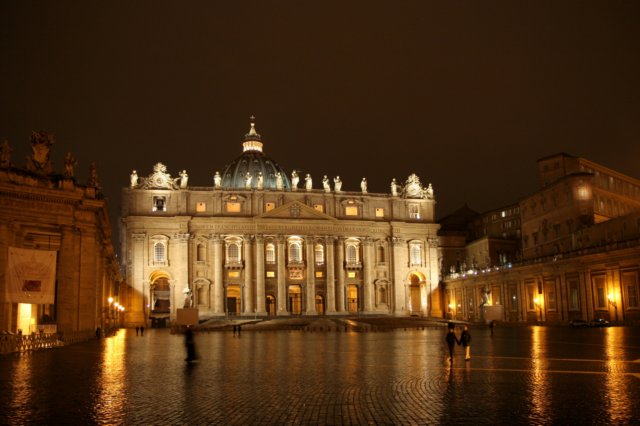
[{"x": 244, "y": 172}]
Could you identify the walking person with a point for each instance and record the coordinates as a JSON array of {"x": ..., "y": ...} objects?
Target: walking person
[
  {"x": 137, "y": 329},
  {"x": 465, "y": 341},
  {"x": 451, "y": 340},
  {"x": 142, "y": 330},
  {"x": 190, "y": 345}
]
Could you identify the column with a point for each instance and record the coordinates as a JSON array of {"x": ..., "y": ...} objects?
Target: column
[
  {"x": 400, "y": 264},
  {"x": 331, "y": 277},
  {"x": 247, "y": 293},
  {"x": 311, "y": 276},
  {"x": 260, "y": 290},
  {"x": 282, "y": 291},
  {"x": 368, "y": 275},
  {"x": 179, "y": 256},
  {"x": 340, "y": 271},
  {"x": 218, "y": 284}
]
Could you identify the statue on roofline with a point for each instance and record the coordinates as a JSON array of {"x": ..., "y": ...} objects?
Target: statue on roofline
[
  {"x": 5, "y": 154},
  {"x": 39, "y": 161},
  {"x": 70, "y": 164}
]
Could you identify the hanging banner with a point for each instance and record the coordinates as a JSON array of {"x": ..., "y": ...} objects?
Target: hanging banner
[{"x": 31, "y": 276}]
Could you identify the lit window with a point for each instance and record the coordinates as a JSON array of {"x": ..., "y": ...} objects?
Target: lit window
[
  {"x": 233, "y": 207},
  {"x": 414, "y": 211},
  {"x": 379, "y": 212},
  {"x": 270, "y": 253},
  {"x": 319, "y": 274},
  {"x": 234, "y": 274},
  {"x": 319, "y": 252},
  {"x": 159, "y": 253},
  {"x": 351, "y": 274},
  {"x": 503, "y": 213},
  {"x": 351, "y": 211},
  {"x": 319, "y": 207},
  {"x": 271, "y": 274},
  {"x": 201, "y": 207},
  {"x": 269, "y": 206}
]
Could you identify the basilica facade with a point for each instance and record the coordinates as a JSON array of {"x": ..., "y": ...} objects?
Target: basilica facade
[{"x": 261, "y": 242}]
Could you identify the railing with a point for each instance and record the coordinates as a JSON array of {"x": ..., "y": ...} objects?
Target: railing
[{"x": 18, "y": 343}]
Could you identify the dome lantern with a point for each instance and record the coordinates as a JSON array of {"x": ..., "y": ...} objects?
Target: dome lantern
[{"x": 252, "y": 139}]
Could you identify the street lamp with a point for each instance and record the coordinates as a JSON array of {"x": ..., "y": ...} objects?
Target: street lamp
[
  {"x": 451, "y": 310},
  {"x": 538, "y": 303},
  {"x": 612, "y": 301}
]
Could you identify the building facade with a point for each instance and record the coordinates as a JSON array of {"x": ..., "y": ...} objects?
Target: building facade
[
  {"x": 58, "y": 268},
  {"x": 569, "y": 251},
  {"x": 259, "y": 242}
]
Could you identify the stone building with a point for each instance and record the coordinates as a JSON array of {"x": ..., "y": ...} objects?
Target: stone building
[
  {"x": 58, "y": 267},
  {"x": 570, "y": 250},
  {"x": 259, "y": 242}
]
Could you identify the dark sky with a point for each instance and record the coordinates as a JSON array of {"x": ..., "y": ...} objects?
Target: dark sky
[{"x": 465, "y": 94}]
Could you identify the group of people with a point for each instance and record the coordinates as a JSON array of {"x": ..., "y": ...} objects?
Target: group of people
[
  {"x": 140, "y": 329},
  {"x": 464, "y": 340}
]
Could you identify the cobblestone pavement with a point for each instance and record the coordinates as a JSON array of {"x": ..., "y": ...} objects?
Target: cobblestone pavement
[{"x": 521, "y": 375}]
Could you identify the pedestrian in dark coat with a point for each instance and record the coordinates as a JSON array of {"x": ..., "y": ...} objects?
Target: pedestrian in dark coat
[
  {"x": 465, "y": 341},
  {"x": 451, "y": 340},
  {"x": 190, "y": 344}
]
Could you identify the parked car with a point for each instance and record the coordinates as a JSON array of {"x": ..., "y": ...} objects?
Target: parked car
[
  {"x": 578, "y": 323},
  {"x": 599, "y": 322}
]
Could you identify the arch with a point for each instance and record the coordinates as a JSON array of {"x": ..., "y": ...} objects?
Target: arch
[
  {"x": 320, "y": 304},
  {"x": 160, "y": 292},
  {"x": 271, "y": 305},
  {"x": 270, "y": 253},
  {"x": 352, "y": 298},
  {"x": 381, "y": 255},
  {"x": 319, "y": 254},
  {"x": 200, "y": 252},
  {"x": 416, "y": 280},
  {"x": 234, "y": 301},
  {"x": 295, "y": 299}
]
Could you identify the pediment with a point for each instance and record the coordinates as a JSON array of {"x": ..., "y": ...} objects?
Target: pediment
[{"x": 295, "y": 210}]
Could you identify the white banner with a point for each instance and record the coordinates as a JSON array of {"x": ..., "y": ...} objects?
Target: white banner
[{"x": 31, "y": 276}]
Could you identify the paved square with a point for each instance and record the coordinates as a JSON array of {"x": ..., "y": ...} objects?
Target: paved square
[{"x": 521, "y": 375}]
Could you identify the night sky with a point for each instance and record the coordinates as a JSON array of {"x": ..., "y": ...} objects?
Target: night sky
[{"x": 465, "y": 94}]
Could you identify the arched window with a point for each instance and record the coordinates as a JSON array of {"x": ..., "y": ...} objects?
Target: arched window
[
  {"x": 381, "y": 254},
  {"x": 416, "y": 254},
  {"x": 233, "y": 253},
  {"x": 319, "y": 252},
  {"x": 295, "y": 252},
  {"x": 159, "y": 252},
  {"x": 200, "y": 254},
  {"x": 270, "y": 253},
  {"x": 352, "y": 254}
]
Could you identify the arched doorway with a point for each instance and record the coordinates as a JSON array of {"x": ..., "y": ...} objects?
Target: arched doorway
[
  {"x": 233, "y": 300},
  {"x": 319, "y": 304},
  {"x": 295, "y": 300},
  {"x": 271, "y": 305},
  {"x": 415, "y": 298},
  {"x": 352, "y": 298},
  {"x": 160, "y": 290}
]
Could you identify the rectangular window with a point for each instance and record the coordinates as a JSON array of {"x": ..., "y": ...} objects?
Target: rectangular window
[
  {"x": 630, "y": 285},
  {"x": 201, "y": 207},
  {"x": 351, "y": 211},
  {"x": 233, "y": 207},
  {"x": 269, "y": 206},
  {"x": 271, "y": 274},
  {"x": 574, "y": 295},
  {"x": 319, "y": 207},
  {"x": 551, "y": 300},
  {"x": 234, "y": 274},
  {"x": 351, "y": 274},
  {"x": 319, "y": 274},
  {"x": 414, "y": 211},
  {"x": 379, "y": 212},
  {"x": 599, "y": 288}
]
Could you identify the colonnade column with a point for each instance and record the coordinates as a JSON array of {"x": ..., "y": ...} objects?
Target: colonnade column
[
  {"x": 368, "y": 275},
  {"x": 331, "y": 277},
  {"x": 340, "y": 271},
  {"x": 247, "y": 293},
  {"x": 218, "y": 285},
  {"x": 400, "y": 264},
  {"x": 260, "y": 298},
  {"x": 282, "y": 291},
  {"x": 311, "y": 277}
]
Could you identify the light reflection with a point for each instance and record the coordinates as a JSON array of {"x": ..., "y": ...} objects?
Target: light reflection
[
  {"x": 22, "y": 393},
  {"x": 110, "y": 403},
  {"x": 616, "y": 392},
  {"x": 538, "y": 388}
]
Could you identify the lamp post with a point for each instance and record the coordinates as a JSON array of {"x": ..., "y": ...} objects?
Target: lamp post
[
  {"x": 537, "y": 303},
  {"x": 612, "y": 301}
]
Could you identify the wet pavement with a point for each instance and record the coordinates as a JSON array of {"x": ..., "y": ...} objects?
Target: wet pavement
[{"x": 521, "y": 375}]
